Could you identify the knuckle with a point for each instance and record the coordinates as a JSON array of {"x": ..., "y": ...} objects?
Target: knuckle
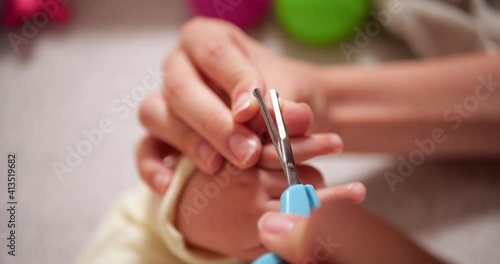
[
  {"x": 148, "y": 108},
  {"x": 210, "y": 37},
  {"x": 215, "y": 123},
  {"x": 199, "y": 25},
  {"x": 242, "y": 77},
  {"x": 187, "y": 140},
  {"x": 172, "y": 85},
  {"x": 168, "y": 58},
  {"x": 213, "y": 50},
  {"x": 173, "y": 89},
  {"x": 249, "y": 184},
  {"x": 192, "y": 25}
]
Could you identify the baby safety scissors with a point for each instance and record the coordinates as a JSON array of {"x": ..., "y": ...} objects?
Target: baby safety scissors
[{"x": 298, "y": 198}]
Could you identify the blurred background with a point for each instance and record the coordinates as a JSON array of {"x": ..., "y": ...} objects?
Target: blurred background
[{"x": 64, "y": 81}]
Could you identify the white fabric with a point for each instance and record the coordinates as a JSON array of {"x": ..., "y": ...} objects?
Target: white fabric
[{"x": 140, "y": 229}]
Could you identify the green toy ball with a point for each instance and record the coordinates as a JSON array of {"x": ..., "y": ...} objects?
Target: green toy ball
[{"x": 322, "y": 22}]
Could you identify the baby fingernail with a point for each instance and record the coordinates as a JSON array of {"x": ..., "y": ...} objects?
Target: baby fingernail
[
  {"x": 336, "y": 142},
  {"x": 161, "y": 181},
  {"x": 170, "y": 161},
  {"x": 242, "y": 102},
  {"x": 243, "y": 147},
  {"x": 275, "y": 224},
  {"x": 357, "y": 189}
]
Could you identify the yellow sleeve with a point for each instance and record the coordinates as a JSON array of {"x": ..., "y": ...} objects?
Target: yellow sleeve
[{"x": 140, "y": 229}]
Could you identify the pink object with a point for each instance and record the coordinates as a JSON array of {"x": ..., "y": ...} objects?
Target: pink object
[
  {"x": 243, "y": 13},
  {"x": 15, "y": 11}
]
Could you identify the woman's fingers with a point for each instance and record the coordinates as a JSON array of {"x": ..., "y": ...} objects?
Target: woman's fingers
[
  {"x": 156, "y": 163},
  {"x": 220, "y": 51},
  {"x": 303, "y": 148},
  {"x": 165, "y": 125},
  {"x": 161, "y": 123},
  {"x": 199, "y": 108},
  {"x": 298, "y": 119}
]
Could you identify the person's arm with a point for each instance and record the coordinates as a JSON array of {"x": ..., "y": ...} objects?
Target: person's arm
[{"x": 386, "y": 108}]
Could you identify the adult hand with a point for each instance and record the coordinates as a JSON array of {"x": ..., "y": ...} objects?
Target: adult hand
[
  {"x": 156, "y": 159},
  {"x": 337, "y": 232},
  {"x": 207, "y": 103}
]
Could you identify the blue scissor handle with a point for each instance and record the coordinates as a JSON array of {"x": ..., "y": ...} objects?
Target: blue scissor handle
[
  {"x": 269, "y": 258},
  {"x": 297, "y": 199}
]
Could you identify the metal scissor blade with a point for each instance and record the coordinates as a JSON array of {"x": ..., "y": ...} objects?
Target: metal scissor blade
[
  {"x": 271, "y": 127},
  {"x": 279, "y": 135},
  {"x": 286, "y": 147},
  {"x": 277, "y": 114}
]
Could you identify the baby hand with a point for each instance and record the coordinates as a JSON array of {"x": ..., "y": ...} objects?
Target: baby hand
[{"x": 220, "y": 213}]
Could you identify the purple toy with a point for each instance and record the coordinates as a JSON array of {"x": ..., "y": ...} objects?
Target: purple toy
[{"x": 243, "y": 13}]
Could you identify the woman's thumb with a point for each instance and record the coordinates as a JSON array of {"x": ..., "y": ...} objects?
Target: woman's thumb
[{"x": 284, "y": 234}]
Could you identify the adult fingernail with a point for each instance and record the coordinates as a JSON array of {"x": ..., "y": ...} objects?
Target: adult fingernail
[
  {"x": 243, "y": 147},
  {"x": 161, "y": 181},
  {"x": 242, "y": 102},
  {"x": 275, "y": 225},
  {"x": 207, "y": 154}
]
